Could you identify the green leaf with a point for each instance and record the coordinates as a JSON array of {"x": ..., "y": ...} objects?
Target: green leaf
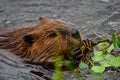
[
  {"x": 98, "y": 69},
  {"x": 114, "y": 40},
  {"x": 110, "y": 48},
  {"x": 58, "y": 73},
  {"x": 97, "y": 58},
  {"x": 105, "y": 63},
  {"x": 98, "y": 53},
  {"x": 118, "y": 41},
  {"x": 83, "y": 65},
  {"x": 103, "y": 45},
  {"x": 108, "y": 57},
  {"x": 115, "y": 61}
]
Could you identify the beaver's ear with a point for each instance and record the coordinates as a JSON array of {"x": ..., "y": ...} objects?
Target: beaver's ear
[
  {"x": 28, "y": 39},
  {"x": 43, "y": 20}
]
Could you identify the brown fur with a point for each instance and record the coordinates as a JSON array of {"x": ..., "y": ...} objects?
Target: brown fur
[{"x": 43, "y": 41}]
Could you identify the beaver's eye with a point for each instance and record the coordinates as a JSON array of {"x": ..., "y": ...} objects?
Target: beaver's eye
[
  {"x": 52, "y": 35},
  {"x": 76, "y": 35}
]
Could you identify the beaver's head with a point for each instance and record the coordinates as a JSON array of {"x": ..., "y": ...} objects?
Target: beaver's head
[
  {"x": 50, "y": 38},
  {"x": 42, "y": 42}
]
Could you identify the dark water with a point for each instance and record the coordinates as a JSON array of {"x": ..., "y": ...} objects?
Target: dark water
[{"x": 93, "y": 18}]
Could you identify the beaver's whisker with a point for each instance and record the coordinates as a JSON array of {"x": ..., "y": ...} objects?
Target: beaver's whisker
[
  {"x": 24, "y": 54},
  {"x": 19, "y": 48},
  {"x": 49, "y": 57},
  {"x": 44, "y": 53},
  {"x": 32, "y": 56}
]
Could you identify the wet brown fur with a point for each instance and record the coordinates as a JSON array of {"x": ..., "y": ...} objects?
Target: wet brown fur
[{"x": 45, "y": 44}]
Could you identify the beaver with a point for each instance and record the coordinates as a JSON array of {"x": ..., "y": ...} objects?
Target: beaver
[{"x": 42, "y": 42}]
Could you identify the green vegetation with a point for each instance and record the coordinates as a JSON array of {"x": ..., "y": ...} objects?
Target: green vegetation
[
  {"x": 58, "y": 73},
  {"x": 104, "y": 58},
  {"x": 116, "y": 40},
  {"x": 83, "y": 65},
  {"x": 101, "y": 59}
]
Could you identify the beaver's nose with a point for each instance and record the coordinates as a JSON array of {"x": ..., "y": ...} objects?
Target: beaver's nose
[
  {"x": 74, "y": 34},
  {"x": 64, "y": 34}
]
